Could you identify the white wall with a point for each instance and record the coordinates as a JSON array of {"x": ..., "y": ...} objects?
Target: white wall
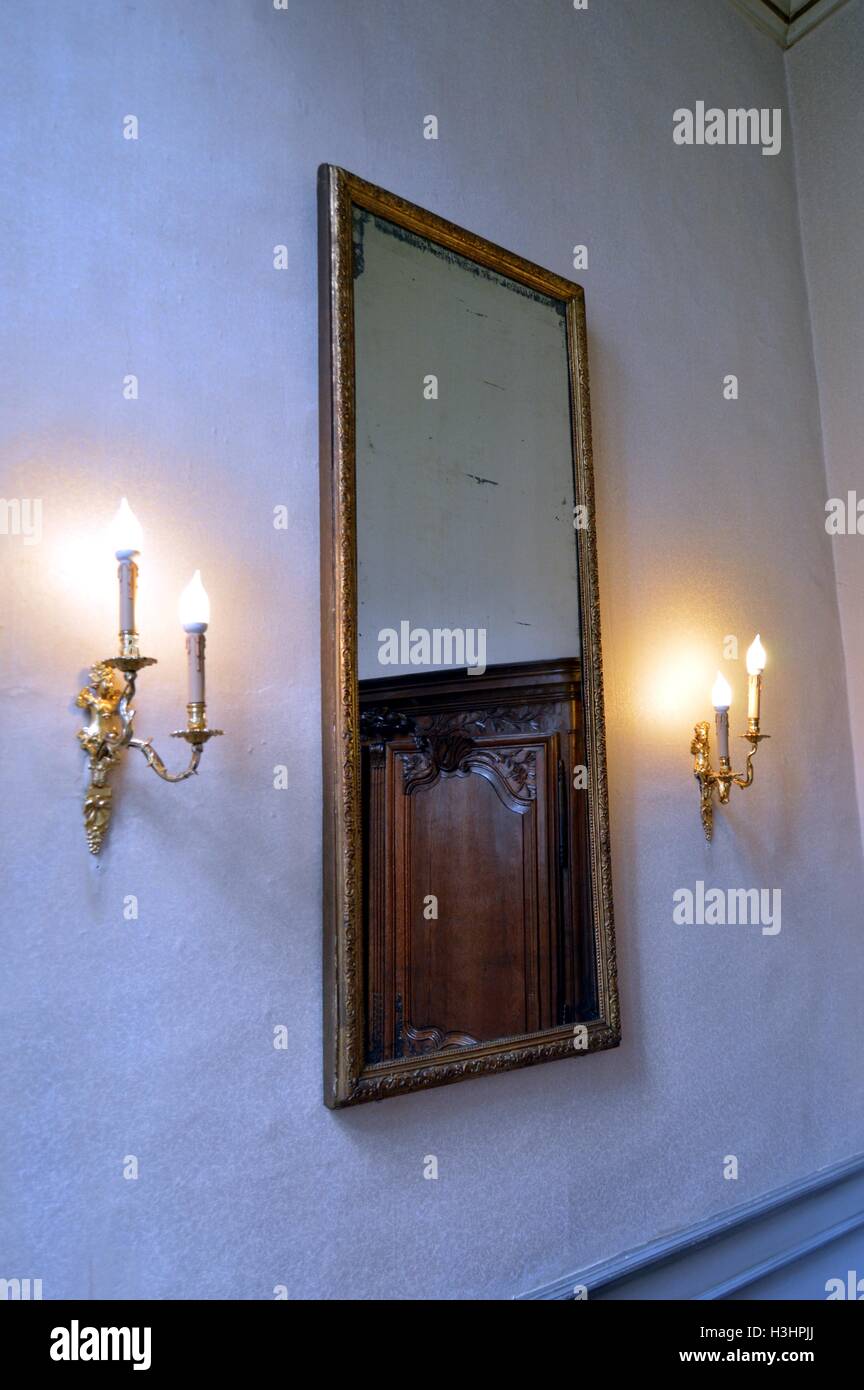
[
  {"x": 828, "y": 114},
  {"x": 155, "y": 1038}
]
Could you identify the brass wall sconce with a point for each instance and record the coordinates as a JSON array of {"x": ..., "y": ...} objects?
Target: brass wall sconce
[
  {"x": 108, "y": 698},
  {"x": 724, "y": 779}
]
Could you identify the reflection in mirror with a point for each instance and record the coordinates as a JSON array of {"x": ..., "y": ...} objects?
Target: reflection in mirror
[
  {"x": 466, "y": 558},
  {"x": 483, "y": 927},
  {"x": 464, "y": 460}
]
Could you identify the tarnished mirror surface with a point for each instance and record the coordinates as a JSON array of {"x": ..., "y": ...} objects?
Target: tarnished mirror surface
[{"x": 465, "y": 484}]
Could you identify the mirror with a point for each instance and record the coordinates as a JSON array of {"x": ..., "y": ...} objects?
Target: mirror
[{"x": 468, "y": 916}]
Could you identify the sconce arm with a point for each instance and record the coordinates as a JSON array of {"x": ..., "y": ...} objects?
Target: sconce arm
[
  {"x": 154, "y": 760},
  {"x": 755, "y": 739}
]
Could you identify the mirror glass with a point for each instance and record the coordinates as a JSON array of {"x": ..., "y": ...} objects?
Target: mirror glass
[
  {"x": 465, "y": 493},
  {"x": 476, "y": 901}
]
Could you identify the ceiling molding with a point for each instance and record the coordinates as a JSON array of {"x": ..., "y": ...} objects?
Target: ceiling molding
[{"x": 787, "y": 21}]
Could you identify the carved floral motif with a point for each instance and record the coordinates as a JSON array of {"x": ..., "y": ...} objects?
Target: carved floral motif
[
  {"x": 102, "y": 740},
  {"x": 511, "y": 771},
  {"x": 436, "y": 1039}
]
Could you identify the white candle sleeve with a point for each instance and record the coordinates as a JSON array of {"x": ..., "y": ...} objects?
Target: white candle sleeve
[
  {"x": 195, "y": 653},
  {"x": 723, "y": 733},
  {"x": 127, "y": 574},
  {"x": 754, "y": 695}
]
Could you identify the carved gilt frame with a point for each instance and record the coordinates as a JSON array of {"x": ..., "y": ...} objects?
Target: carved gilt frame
[{"x": 347, "y": 1080}]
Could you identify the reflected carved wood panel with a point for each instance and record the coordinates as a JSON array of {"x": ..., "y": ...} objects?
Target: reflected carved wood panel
[{"x": 473, "y": 886}]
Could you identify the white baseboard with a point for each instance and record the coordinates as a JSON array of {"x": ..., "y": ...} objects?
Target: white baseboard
[{"x": 732, "y": 1250}]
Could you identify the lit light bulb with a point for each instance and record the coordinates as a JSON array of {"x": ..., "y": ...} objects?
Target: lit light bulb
[
  {"x": 125, "y": 531},
  {"x": 755, "y": 657},
  {"x": 194, "y": 606},
  {"x": 721, "y": 693}
]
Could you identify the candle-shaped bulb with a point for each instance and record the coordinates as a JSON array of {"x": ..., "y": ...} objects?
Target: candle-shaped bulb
[
  {"x": 194, "y": 606},
  {"x": 126, "y": 533},
  {"x": 721, "y": 693},
  {"x": 755, "y": 657},
  {"x": 755, "y": 667}
]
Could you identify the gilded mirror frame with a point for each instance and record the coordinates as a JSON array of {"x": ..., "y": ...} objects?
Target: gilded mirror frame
[{"x": 347, "y": 1079}]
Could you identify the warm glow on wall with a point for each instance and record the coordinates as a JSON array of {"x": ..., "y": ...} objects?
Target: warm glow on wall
[{"x": 674, "y": 684}]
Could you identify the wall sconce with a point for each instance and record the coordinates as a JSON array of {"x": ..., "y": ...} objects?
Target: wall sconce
[
  {"x": 721, "y": 698},
  {"x": 108, "y": 698}
]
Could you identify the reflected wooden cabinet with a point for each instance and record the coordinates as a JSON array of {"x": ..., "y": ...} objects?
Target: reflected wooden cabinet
[{"x": 476, "y": 920}]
